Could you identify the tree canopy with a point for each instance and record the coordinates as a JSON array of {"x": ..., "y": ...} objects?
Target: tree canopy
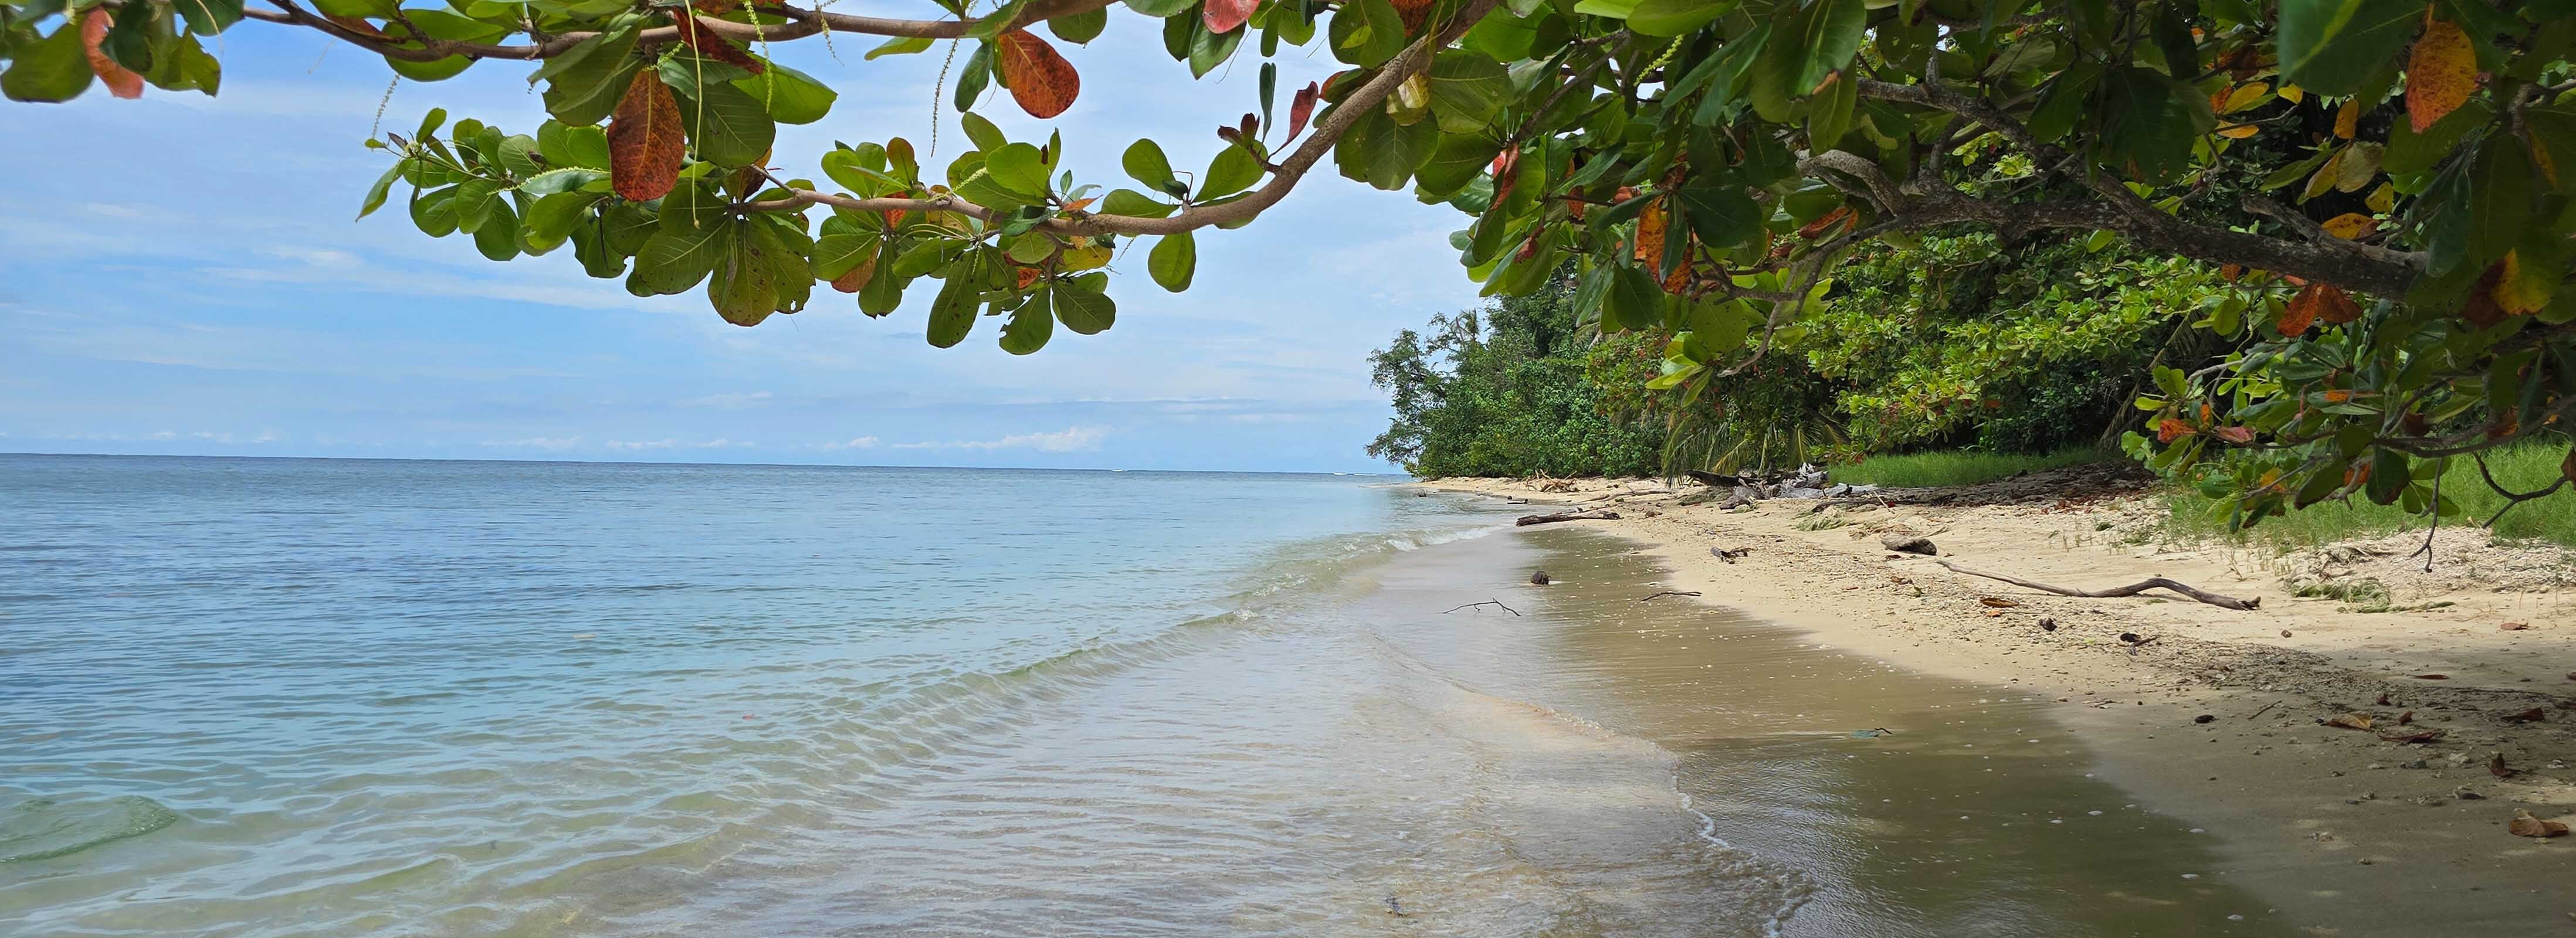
[{"x": 2377, "y": 181}]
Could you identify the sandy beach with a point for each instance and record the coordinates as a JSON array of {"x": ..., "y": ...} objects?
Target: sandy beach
[{"x": 2247, "y": 723}]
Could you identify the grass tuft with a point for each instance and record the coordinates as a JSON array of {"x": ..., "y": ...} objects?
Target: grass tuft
[
  {"x": 1958, "y": 467},
  {"x": 2523, "y": 467}
]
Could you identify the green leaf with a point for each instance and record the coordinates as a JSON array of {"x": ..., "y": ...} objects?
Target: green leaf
[
  {"x": 1080, "y": 28},
  {"x": 1467, "y": 90},
  {"x": 2332, "y": 47},
  {"x": 1828, "y": 34},
  {"x": 1175, "y": 258},
  {"x": 981, "y": 132},
  {"x": 1456, "y": 161},
  {"x": 552, "y": 218},
  {"x": 790, "y": 96},
  {"x": 564, "y": 146},
  {"x": 384, "y": 186},
  {"x": 1233, "y": 170},
  {"x": 900, "y": 45},
  {"x": 1031, "y": 325},
  {"x": 1380, "y": 152},
  {"x": 1145, "y": 163},
  {"x": 1674, "y": 17},
  {"x": 753, "y": 273},
  {"x": 1831, "y": 114},
  {"x": 1209, "y": 50},
  {"x": 498, "y": 237},
  {"x": 1134, "y": 203},
  {"x": 2501, "y": 188},
  {"x": 727, "y": 127},
  {"x": 836, "y": 253},
  {"x": 1081, "y": 306},
  {"x": 585, "y": 93},
  {"x": 1721, "y": 214},
  {"x": 2409, "y": 152},
  {"x": 1366, "y": 33},
  {"x": 560, "y": 180},
  {"x": 673, "y": 261},
  {"x": 971, "y": 79},
  {"x": 952, "y": 314},
  {"x": 208, "y": 17},
  {"x": 51, "y": 69},
  {"x": 1018, "y": 167}
]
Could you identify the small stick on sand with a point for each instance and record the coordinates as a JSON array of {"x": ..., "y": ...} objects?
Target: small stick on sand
[
  {"x": 2154, "y": 582},
  {"x": 1489, "y": 602},
  {"x": 1669, "y": 593}
]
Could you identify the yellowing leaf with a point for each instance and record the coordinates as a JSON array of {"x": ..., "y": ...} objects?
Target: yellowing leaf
[
  {"x": 2350, "y": 226},
  {"x": 2292, "y": 94},
  {"x": 2348, "y": 118},
  {"x": 1650, "y": 237},
  {"x": 2383, "y": 198},
  {"x": 2239, "y": 131},
  {"x": 2325, "y": 177},
  {"x": 2524, "y": 288},
  {"x": 2245, "y": 96},
  {"x": 2440, "y": 74}
]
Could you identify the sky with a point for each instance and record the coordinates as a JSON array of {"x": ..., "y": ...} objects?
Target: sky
[{"x": 182, "y": 275}]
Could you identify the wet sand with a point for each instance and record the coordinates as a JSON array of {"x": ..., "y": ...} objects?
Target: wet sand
[{"x": 1976, "y": 812}]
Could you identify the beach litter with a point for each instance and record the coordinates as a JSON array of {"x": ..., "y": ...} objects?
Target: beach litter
[{"x": 2525, "y": 825}]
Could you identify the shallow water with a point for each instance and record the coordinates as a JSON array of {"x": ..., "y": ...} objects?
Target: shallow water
[{"x": 253, "y": 697}]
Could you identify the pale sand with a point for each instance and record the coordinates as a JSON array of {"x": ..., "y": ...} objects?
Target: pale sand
[{"x": 2336, "y": 825}]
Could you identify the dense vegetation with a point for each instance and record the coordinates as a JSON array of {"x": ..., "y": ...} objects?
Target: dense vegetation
[
  {"x": 1712, "y": 171},
  {"x": 1501, "y": 391}
]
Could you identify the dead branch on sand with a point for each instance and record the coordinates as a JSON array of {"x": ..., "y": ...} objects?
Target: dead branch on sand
[
  {"x": 1490, "y": 602},
  {"x": 1669, "y": 593},
  {"x": 2156, "y": 582},
  {"x": 1599, "y": 515}
]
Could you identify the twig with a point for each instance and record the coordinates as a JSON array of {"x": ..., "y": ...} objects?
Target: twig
[
  {"x": 1669, "y": 593},
  {"x": 2214, "y": 599},
  {"x": 2266, "y": 708},
  {"x": 2436, "y": 527},
  {"x": 1489, "y": 602}
]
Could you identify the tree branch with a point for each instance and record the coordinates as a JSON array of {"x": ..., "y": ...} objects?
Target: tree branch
[
  {"x": 1319, "y": 142},
  {"x": 803, "y": 23}
]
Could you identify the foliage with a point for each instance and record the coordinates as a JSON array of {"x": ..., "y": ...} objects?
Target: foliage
[
  {"x": 2525, "y": 465},
  {"x": 1958, "y": 467},
  {"x": 1704, "y": 165},
  {"x": 2032, "y": 347},
  {"x": 1502, "y": 392}
]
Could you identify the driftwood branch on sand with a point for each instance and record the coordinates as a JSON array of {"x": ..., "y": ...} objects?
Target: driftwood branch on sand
[
  {"x": 2156, "y": 582},
  {"x": 1668, "y": 593},
  {"x": 1490, "y": 602},
  {"x": 1593, "y": 515}
]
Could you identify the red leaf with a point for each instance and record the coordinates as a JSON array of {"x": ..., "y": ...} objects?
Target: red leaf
[
  {"x": 2305, "y": 307},
  {"x": 1302, "y": 107},
  {"x": 2440, "y": 74},
  {"x": 2236, "y": 435},
  {"x": 645, "y": 144},
  {"x": 1224, "y": 16},
  {"x": 712, "y": 46},
  {"x": 2169, "y": 430},
  {"x": 1413, "y": 12},
  {"x": 120, "y": 81},
  {"x": 1817, "y": 228},
  {"x": 1506, "y": 171},
  {"x": 1041, "y": 80}
]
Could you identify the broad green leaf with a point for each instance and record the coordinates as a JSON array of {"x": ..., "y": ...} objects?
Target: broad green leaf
[
  {"x": 564, "y": 146},
  {"x": 673, "y": 261},
  {"x": 51, "y": 69},
  {"x": 1018, "y": 167},
  {"x": 1145, "y": 163},
  {"x": 1080, "y": 28},
  {"x": 1467, "y": 90},
  {"x": 585, "y": 93},
  {"x": 727, "y": 127},
  {"x": 1031, "y": 325},
  {"x": 900, "y": 45},
  {"x": 384, "y": 185},
  {"x": 1722, "y": 215},
  {"x": 1233, "y": 170},
  {"x": 1175, "y": 258},
  {"x": 1674, "y": 17},
  {"x": 952, "y": 314},
  {"x": 1081, "y": 306},
  {"x": 2332, "y": 47},
  {"x": 1134, "y": 203},
  {"x": 790, "y": 96}
]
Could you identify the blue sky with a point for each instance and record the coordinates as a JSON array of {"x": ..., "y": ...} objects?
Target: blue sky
[{"x": 181, "y": 275}]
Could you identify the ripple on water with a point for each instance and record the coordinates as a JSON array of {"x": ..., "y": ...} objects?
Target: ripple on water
[{"x": 39, "y": 828}]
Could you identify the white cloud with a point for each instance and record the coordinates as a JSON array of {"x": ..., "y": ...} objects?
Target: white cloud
[
  {"x": 677, "y": 443},
  {"x": 1070, "y": 439},
  {"x": 730, "y": 400},
  {"x": 864, "y": 442},
  {"x": 538, "y": 442}
]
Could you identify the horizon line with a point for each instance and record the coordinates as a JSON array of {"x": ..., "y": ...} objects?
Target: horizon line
[{"x": 774, "y": 465}]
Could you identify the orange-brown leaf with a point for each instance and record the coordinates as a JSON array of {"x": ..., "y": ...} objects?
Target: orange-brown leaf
[
  {"x": 121, "y": 81},
  {"x": 1222, "y": 16},
  {"x": 2237, "y": 435},
  {"x": 645, "y": 143},
  {"x": 2169, "y": 430},
  {"x": 2350, "y": 721},
  {"x": 1413, "y": 12},
  {"x": 2300, "y": 313},
  {"x": 2336, "y": 306},
  {"x": 699, "y": 37},
  {"x": 1817, "y": 228},
  {"x": 2440, "y": 75},
  {"x": 2481, "y": 309},
  {"x": 1650, "y": 237},
  {"x": 2231, "y": 271},
  {"x": 2524, "y": 825},
  {"x": 1040, "y": 79},
  {"x": 2348, "y": 119}
]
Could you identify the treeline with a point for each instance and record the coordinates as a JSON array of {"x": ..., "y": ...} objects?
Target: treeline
[{"x": 1946, "y": 342}]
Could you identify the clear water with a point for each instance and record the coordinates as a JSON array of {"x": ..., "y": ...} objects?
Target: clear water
[{"x": 288, "y": 698}]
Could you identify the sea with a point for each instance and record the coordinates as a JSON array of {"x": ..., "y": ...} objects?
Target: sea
[{"x": 290, "y": 697}]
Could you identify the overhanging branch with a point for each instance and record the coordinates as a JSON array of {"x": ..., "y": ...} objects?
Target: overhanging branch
[{"x": 802, "y": 23}]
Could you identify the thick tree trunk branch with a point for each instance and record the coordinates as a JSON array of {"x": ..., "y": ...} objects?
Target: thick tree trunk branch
[
  {"x": 805, "y": 23},
  {"x": 2357, "y": 266},
  {"x": 1327, "y": 131}
]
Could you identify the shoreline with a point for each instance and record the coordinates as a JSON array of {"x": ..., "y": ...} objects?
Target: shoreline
[{"x": 2348, "y": 833}]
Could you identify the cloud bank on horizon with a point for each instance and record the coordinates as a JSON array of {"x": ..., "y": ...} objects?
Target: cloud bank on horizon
[{"x": 218, "y": 299}]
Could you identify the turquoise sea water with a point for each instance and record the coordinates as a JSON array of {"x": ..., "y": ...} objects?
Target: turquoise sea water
[{"x": 266, "y": 698}]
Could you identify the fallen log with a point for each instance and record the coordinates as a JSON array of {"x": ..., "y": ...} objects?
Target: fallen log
[
  {"x": 1715, "y": 479},
  {"x": 1595, "y": 515},
  {"x": 2156, "y": 582}
]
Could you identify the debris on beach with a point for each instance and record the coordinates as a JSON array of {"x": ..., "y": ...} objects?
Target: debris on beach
[
  {"x": 1910, "y": 544},
  {"x": 2525, "y": 825},
  {"x": 1592, "y": 515},
  {"x": 2497, "y": 768},
  {"x": 1873, "y": 733},
  {"x": 2350, "y": 721},
  {"x": 2413, "y": 739},
  {"x": 1996, "y": 602},
  {"x": 1539, "y": 578}
]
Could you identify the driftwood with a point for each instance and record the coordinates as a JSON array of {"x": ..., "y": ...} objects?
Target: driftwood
[
  {"x": 1668, "y": 593},
  {"x": 1715, "y": 479},
  {"x": 1594, "y": 515},
  {"x": 2155, "y": 582},
  {"x": 1490, "y": 602},
  {"x": 1729, "y": 555}
]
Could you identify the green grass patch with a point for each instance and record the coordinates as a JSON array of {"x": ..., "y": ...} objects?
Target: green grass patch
[
  {"x": 1958, "y": 467},
  {"x": 2523, "y": 467}
]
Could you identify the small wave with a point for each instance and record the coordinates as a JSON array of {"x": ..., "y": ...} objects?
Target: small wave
[{"x": 46, "y": 828}]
